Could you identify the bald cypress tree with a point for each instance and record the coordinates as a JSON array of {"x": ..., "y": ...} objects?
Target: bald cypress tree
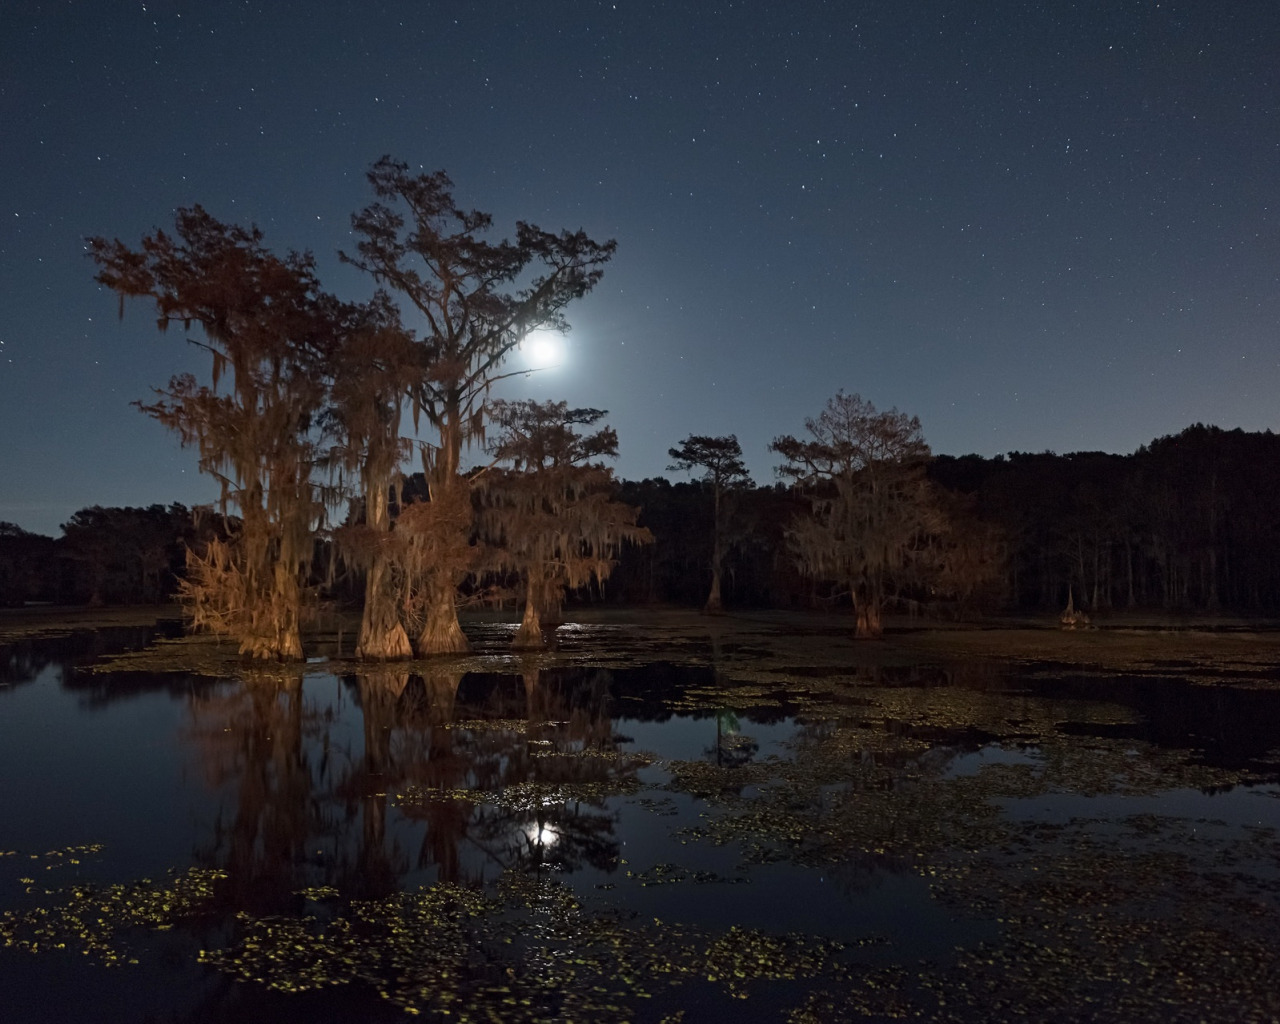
[
  {"x": 873, "y": 518},
  {"x": 267, "y": 329},
  {"x": 477, "y": 298},
  {"x": 548, "y": 511},
  {"x": 373, "y": 368}
]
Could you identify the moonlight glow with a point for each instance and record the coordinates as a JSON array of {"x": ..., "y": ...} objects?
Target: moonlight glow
[
  {"x": 540, "y": 836},
  {"x": 543, "y": 350}
]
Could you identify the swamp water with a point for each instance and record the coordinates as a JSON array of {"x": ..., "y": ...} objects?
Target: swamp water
[{"x": 640, "y": 826}]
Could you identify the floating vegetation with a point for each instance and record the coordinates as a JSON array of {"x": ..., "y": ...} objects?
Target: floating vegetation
[
  {"x": 516, "y": 725},
  {"x": 670, "y": 874},
  {"x": 528, "y": 952},
  {"x": 53, "y": 859},
  {"x": 317, "y": 893},
  {"x": 90, "y": 919},
  {"x": 626, "y": 759},
  {"x": 664, "y": 807},
  {"x": 740, "y": 696},
  {"x": 1019, "y": 805},
  {"x": 199, "y": 653},
  {"x": 706, "y": 778},
  {"x": 1098, "y": 927},
  {"x": 523, "y": 797}
]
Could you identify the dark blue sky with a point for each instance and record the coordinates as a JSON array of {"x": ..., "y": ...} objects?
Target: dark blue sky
[{"x": 1034, "y": 225}]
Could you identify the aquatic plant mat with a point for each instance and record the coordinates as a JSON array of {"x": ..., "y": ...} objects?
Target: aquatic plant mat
[{"x": 701, "y": 820}]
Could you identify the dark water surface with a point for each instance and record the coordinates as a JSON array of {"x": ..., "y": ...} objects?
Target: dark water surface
[{"x": 653, "y": 842}]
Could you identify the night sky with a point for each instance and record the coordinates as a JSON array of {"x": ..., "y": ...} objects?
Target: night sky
[{"x": 1036, "y": 226}]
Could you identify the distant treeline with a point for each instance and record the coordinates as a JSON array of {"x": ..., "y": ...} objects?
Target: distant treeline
[
  {"x": 1186, "y": 523},
  {"x": 104, "y": 556},
  {"x": 1189, "y": 522}
]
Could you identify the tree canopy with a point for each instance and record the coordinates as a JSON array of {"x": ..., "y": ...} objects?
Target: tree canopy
[
  {"x": 720, "y": 459},
  {"x": 301, "y": 412},
  {"x": 873, "y": 516},
  {"x": 268, "y": 328},
  {"x": 477, "y": 298},
  {"x": 549, "y": 508}
]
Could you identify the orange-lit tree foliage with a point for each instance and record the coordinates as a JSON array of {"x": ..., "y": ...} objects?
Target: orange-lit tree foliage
[
  {"x": 267, "y": 327},
  {"x": 548, "y": 510},
  {"x": 476, "y": 300}
]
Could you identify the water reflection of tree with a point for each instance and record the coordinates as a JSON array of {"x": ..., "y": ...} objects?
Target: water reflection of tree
[
  {"x": 374, "y": 868},
  {"x": 23, "y": 659},
  {"x": 302, "y": 807},
  {"x": 431, "y": 741},
  {"x": 575, "y": 747},
  {"x": 559, "y": 755},
  {"x": 407, "y": 741},
  {"x": 732, "y": 748},
  {"x": 250, "y": 742}
]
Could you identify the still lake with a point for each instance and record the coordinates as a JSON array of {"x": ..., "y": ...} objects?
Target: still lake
[{"x": 643, "y": 825}]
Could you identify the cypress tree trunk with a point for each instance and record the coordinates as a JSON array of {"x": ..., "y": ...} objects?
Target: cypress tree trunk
[
  {"x": 529, "y": 635},
  {"x": 382, "y": 637},
  {"x": 713, "y": 605},
  {"x": 279, "y": 637},
  {"x": 442, "y": 533},
  {"x": 870, "y": 626},
  {"x": 441, "y": 633}
]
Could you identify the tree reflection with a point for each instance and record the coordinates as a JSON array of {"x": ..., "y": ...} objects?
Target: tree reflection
[
  {"x": 732, "y": 748},
  {"x": 449, "y": 776},
  {"x": 23, "y": 659},
  {"x": 250, "y": 743},
  {"x": 377, "y": 863},
  {"x": 573, "y": 749},
  {"x": 534, "y": 788},
  {"x": 409, "y": 743}
]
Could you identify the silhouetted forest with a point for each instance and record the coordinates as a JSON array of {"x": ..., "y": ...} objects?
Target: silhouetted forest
[
  {"x": 1186, "y": 523},
  {"x": 104, "y": 556}
]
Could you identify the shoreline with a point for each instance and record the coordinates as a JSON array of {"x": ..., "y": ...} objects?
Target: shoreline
[{"x": 746, "y": 644}]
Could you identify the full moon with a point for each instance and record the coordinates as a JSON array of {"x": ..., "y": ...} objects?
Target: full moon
[{"x": 543, "y": 350}]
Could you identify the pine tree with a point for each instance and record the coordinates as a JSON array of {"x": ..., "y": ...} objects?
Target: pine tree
[{"x": 721, "y": 459}]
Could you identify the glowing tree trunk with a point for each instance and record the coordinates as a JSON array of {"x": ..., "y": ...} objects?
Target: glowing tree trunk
[
  {"x": 439, "y": 555},
  {"x": 382, "y": 636},
  {"x": 363, "y": 421},
  {"x": 529, "y": 635},
  {"x": 870, "y": 624},
  {"x": 441, "y": 632},
  {"x": 542, "y": 610}
]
